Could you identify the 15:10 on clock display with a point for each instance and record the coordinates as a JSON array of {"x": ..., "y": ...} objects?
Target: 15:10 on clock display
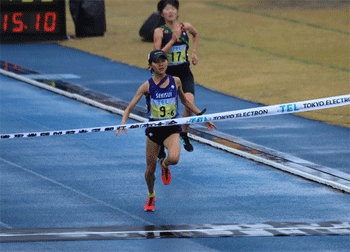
[
  {"x": 25, "y": 20},
  {"x": 29, "y": 22}
]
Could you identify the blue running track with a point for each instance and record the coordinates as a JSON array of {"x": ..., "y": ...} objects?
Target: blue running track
[{"x": 86, "y": 192}]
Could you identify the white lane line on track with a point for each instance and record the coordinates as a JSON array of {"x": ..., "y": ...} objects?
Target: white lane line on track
[
  {"x": 51, "y": 76},
  {"x": 76, "y": 191}
]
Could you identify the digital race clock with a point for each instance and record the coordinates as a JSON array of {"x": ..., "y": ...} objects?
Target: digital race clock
[{"x": 32, "y": 20}]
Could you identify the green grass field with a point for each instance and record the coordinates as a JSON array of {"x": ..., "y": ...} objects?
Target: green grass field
[{"x": 268, "y": 52}]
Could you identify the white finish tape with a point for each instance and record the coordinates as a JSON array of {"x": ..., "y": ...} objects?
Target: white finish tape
[{"x": 280, "y": 109}]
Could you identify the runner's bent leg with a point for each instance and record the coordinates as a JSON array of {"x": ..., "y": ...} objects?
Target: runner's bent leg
[{"x": 172, "y": 143}]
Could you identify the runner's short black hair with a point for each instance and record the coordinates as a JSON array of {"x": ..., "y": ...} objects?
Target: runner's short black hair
[{"x": 162, "y": 3}]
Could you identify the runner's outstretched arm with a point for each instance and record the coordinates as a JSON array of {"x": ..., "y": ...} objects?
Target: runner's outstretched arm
[{"x": 143, "y": 89}]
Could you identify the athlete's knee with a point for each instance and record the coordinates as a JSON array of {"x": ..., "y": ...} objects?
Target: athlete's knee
[{"x": 173, "y": 158}]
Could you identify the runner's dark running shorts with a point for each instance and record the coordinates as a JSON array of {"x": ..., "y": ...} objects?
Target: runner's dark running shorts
[
  {"x": 183, "y": 71},
  {"x": 159, "y": 134}
]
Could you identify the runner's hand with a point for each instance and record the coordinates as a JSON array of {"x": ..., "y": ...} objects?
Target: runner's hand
[
  {"x": 176, "y": 34},
  {"x": 194, "y": 59},
  {"x": 119, "y": 131},
  {"x": 210, "y": 126}
]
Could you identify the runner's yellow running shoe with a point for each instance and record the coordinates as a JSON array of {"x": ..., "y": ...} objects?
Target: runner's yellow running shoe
[{"x": 166, "y": 175}]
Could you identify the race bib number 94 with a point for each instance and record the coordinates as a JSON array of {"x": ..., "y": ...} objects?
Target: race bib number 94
[{"x": 163, "y": 112}]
